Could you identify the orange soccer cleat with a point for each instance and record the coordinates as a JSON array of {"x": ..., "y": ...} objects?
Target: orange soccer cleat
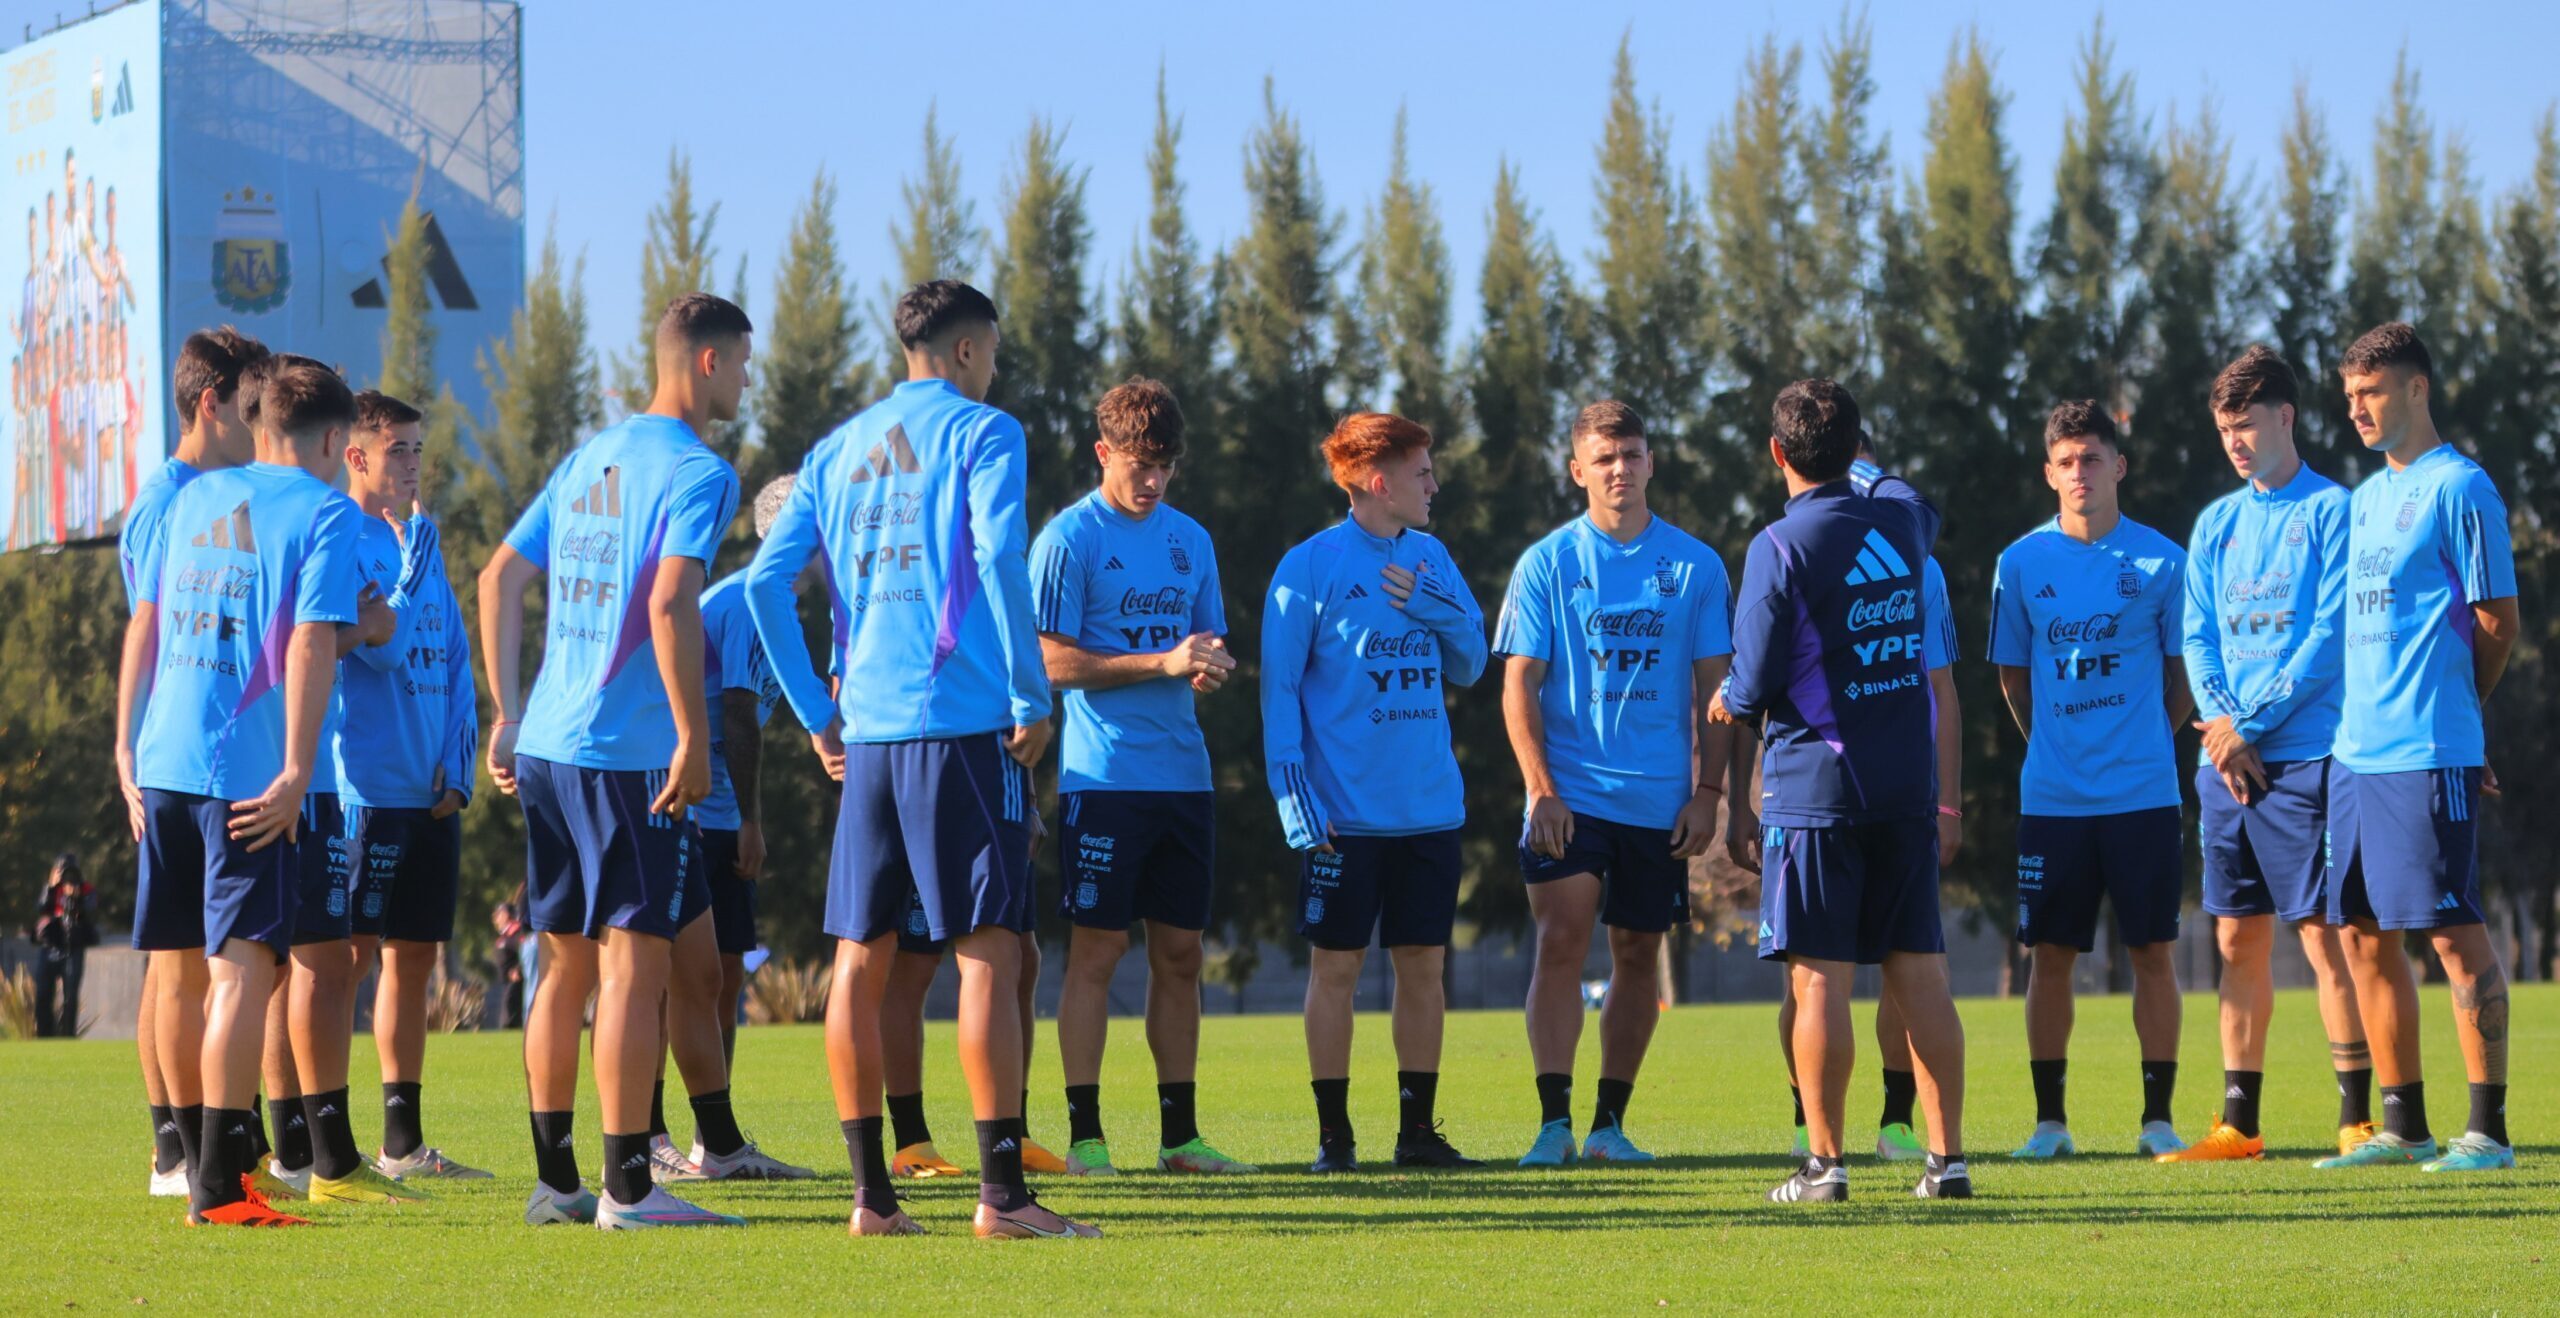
[{"x": 2221, "y": 1144}]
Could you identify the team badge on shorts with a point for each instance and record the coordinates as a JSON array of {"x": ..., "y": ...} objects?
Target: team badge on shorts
[
  {"x": 916, "y": 924},
  {"x": 1088, "y": 894},
  {"x": 1315, "y": 910}
]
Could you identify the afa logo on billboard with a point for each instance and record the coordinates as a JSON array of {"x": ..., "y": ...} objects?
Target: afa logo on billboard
[
  {"x": 100, "y": 108},
  {"x": 251, "y": 270}
]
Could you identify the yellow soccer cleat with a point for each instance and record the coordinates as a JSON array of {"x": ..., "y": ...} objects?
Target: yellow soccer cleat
[
  {"x": 364, "y": 1185},
  {"x": 267, "y": 1185},
  {"x": 1037, "y": 1159},
  {"x": 2351, "y": 1136},
  {"x": 920, "y": 1162},
  {"x": 2221, "y": 1144}
]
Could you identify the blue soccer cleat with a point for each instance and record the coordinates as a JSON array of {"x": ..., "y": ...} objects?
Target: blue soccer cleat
[
  {"x": 2158, "y": 1139},
  {"x": 1554, "y": 1147},
  {"x": 2383, "y": 1150},
  {"x": 1610, "y": 1144},
  {"x": 2051, "y": 1139},
  {"x": 2473, "y": 1153}
]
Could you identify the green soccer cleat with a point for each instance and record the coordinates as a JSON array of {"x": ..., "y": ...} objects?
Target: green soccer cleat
[
  {"x": 1899, "y": 1143},
  {"x": 1804, "y": 1146},
  {"x": 2384, "y": 1149},
  {"x": 1196, "y": 1157},
  {"x": 2473, "y": 1153},
  {"x": 1090, "y": 1158}
]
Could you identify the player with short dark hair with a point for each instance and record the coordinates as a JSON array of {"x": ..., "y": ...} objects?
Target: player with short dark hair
[
  {"x": 609, "y": 755},
  {"x": 1615, "y": 633},
  {"x": 2266, "y": 597},
  {"x": 916, "y": 505},
  {"x": 256, "y": 579},
  {"x": 1364, "y": 625},
  {"x": 2431, "y": 619},
  {"x": 1132, "y": 624},
  {"x": 2085, "y": 628},
  {"x": 1828, "y": 646},
  {"x": 204, "y": 390}
]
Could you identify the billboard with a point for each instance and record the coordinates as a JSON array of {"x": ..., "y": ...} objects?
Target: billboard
[{"x": 85, "y": 419}]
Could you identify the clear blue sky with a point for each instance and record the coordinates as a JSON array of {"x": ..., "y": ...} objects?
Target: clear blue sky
[{"x": 761, "y": 92}]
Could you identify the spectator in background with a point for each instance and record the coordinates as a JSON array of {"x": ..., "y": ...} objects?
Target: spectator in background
[
  {"x": 509, "y": 954},
  {"x": 66, "y": 928}
]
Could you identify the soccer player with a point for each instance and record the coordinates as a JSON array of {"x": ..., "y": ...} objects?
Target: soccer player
[
  {"x": 1364, "y": 624},
  {"x": 204, "y": 388},
  {"x": 1131, "y": 625},
  {"x": 609, "y": 755},
  {"x": 258, "y": 575},
  {"x": 2266, "y": 594},
  {"x": 916, "y": 503},
  {"x": 1615, "y": 634},
  {"x": 409, "y": 741},
  {"x": 1828, "y": 650},
  {"x": 2431, "y": 619},
  {"x": 2085, "y": 627}
]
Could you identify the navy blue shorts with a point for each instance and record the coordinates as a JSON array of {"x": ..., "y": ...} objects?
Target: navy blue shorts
[
  {"x": 2265, "y": 858},
  {"x": 596, "y": 857},
  {"x": 1130, "y": 856},
  {"x": 1404, "y": 889},
  {"x": 1643, "y": 887},
  {"x": 408, "y": 872},
  {"x": 2067, "y": 862},
  {"x": 200, "y": 889},
  {"x": 2404, "y": 848},
  {"x": 733, "y": 899},
  {"x": 915, "y": 931},
  {"x": 326, "y": 902},
  {"x": 1850, "y": 892},
  {"x": 943, "y": 823}
]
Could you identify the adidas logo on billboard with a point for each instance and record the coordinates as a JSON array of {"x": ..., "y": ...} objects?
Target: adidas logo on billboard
[
  {"x": 229, "y": 532},
  {"x": 892, "y": 454},
  {"x": 602, "y": 499},
  {"x": 1877, "y": 561}
]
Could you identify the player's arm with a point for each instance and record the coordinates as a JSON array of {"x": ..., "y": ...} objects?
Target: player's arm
[
  {"x": 502, "y": 587},
  {"x": 1694, "y": 828},
  {"x": 2018, "y": 691},
  {"x": 1288, "y": 630},
  {"x": 1758, "y": 668},
  {"x": 2486, "y": 567},
  {"x": 1071, "y": 667},
  {"x": 1742, "y": 798},
  {"x": 675, "y": 629},
  {"x": 1550, "y": 820},
  {"x": 999, "y": 535},
  {"x": 421, "y": 553},
  {"x": 786, "y": 551},
  {"x": 134, "y": 670},
  {"x": 1942, "y": 684},
  {"x": 2173, "y": 680},
  {"x": 1439, "y": 600},
  {"x": 461, "y": 740},
  {"x": 1875, "y": 482},
  {"x": 2493, "y": 641},
  {"x": 2011, "y": 647},
  {"x": 742, "y": 745},
  {"x": 310, "y": 669},
  {"x": 375, "y": 625}
]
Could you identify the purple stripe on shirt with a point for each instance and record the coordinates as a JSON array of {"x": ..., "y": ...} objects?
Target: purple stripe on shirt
[
  {"x": 959, "y": 593},
  {"x": 267, "y": 673},
  {"x": 2458, "y": 610},
  {"x": 635, "y": 607}
]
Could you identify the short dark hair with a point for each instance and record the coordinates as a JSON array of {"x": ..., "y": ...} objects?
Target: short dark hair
[
  {"x": 1609, "y": 419},
  {"x": 2258, "y": 376},
  {"x": 1142, "y": 418},
  {"x": 698, "y": 320},
  {"x": 1817, "y": 428},
  {"x": 377, "y": 412},
  {"x": 212, "y": 359},
  {"x": 935, "y": 307},
  {"x": 302, "y": 398},
  {"x": 2081, "y": 418},
  {"x": 2392, "y": 344}
]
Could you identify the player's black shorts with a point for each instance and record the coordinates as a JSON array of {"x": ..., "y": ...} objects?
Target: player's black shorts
[
  {"x": 2067, "y": 862},
  {"x": 598, "y": 856},
  {"x": 324, "y": 905},
  {"x": 733, "y": 899},
  {"x": 201, "y": 887},
  {"x": 2267, "y": 857},
  {"x": 1643, "y": 887},
  {"x": 1131, "y": 856},
  {"x": 1404, "y": 890},
  {"x": 1850, "y": 892},
  {"x": 408, "y": 872}
]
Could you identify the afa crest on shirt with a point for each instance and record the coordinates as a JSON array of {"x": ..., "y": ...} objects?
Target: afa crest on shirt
[
  {"x": 2295, "y": 532},
  {"x": 2408, "y": 516},
  {"x": 2129, "y": 584},
  {"x": 1666, "y": 578},
  {"x": 1181, "y": 556}
]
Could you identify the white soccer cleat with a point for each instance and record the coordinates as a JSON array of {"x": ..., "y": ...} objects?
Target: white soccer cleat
[
  {"x": 171, "y": 1184},
  {"x": 427, "y": 1164},
  {"x": 667, "y": 1166},
  {"x": 549, "y": 1207},
  {"x": 749, "y": 1163},
  {"x": 656, "y": 1209},
  {"x": 299, "y": 1180}
]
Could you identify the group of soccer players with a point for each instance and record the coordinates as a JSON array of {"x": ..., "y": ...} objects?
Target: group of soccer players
[{"x": 298, "y": 732}]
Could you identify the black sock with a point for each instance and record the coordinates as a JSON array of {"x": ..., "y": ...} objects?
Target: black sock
[
  {"x": 715, "y": 1125},
  {"x": 1416, "y": 1093},
  {"x": 1555, "y": 1097},
  {"x": 400, "y": 1119},
  {"x": 167, "y": 1149},
  {"x": 258, "y": 1146},
  {"x": 1084, "y": 1113},
  {"x": 1901, "y": 1088},
  {"x": 1333, "y": 1111},
  {"x": 190, "y": 1136},
  {"x": 2240, "y": 1100},
  {"x": 2355, "y": 1096},
  {"x": 1610, "y": 1107},
  {"x": 225, "y": 1149},
  {"x": 2048, "y": 1082},
  {"x": 292, "y": 1141},
  {"x": 333, "y": 1135},
  {"x": 2404, "y": 1111},
  {"x": 626, "y": 1167},
  {"x": 555, "y": 1154},
  {"x": 906, "y": 1120},
  {"x": 1000, "y": 1165},
  {"x": 872, "y": 1186},
  {"x": 2159, "y": 1081},
  {"x": 2489, "y": 1111},
  {"x": 658, "y": 1107},
  {"x": 1796, "y": 1096},
  {"x": 1177, "y": 1114},
  {"x": 1939, "y": 1162}
]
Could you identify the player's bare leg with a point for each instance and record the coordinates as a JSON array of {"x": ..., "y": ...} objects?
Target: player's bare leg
[
  {"x": 1565, "y": 910},
  {"x": 856, "y": 1070},
  {"x": 2050, "y": 1011},
  {"x": 1333, "y": 981},
  {"x": 2349, "y": 1056}
]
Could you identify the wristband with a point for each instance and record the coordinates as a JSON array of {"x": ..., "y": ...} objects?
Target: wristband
[{"x": 1950, "y": 812}]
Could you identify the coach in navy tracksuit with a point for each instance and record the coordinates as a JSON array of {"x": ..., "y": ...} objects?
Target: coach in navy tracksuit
[{"x": 1827, "y": 635}]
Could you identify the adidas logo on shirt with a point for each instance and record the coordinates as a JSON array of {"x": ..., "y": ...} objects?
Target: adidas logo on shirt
[
  {"x": 1113, "y": 565},
  {"x": 1582, "y": 583},
  {"x": 229, "y": 532},
  {"x": 602, "y": 499},
  {"x": 1358, "y": 593},
  {"x": 2045, "y": 592},
  {"x": 1877, "y": 561}
]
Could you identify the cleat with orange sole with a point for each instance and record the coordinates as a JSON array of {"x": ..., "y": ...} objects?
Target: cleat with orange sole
[
  {"x": 2351, "y": 1136},
  {"x": 1038, "y": 1159},
  {"x": 245, "y": 1212},
  {"x": 920, "y": 1162},
  {"x": 2221, "y": 1144}
]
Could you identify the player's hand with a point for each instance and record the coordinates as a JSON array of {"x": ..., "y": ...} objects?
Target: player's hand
[
  {"x": 1950, "y": 839},
  {"x": 1399, "y": 584},
  {"x": 374, "y": 620},
  {"x": 830, "y": 747},
  {"x": 1028, "y": 742},
  {"x": 1742, "y": 836},
  {"x": 2250, "y": 771},
  {"x": 1197, "y": 655},
  {"x": 1716, "y": 712},
  {"x": 2488, "y": 780},
  {"x": 133, "y": 812},
  {"x": 1326, "y": 847},
  {"x": 2221, "y": 742},
  {"x": 1693, "y": 830},
  {"x": 1550, "y": 826},
  {"x": 271, "y": 814},
  {"x": 1039, "y": 829},
  {"x": 750, "y": 849},
  {"x": 688, "y": 781},
  {"x": 502, "y": 755},
  {"x": 448, "y": 801}
]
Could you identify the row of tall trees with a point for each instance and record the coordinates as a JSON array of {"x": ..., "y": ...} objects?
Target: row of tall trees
[{"x": 1793, "y": 248}]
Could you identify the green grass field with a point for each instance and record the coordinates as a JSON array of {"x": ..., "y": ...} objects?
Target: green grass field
[{"x": 2103, "y": 1232}]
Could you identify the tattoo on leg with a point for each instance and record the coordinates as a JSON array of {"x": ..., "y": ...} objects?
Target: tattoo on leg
[
  {"x": 2353, "y": 1056},
  {"x": 2483, "y": 1003}
]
